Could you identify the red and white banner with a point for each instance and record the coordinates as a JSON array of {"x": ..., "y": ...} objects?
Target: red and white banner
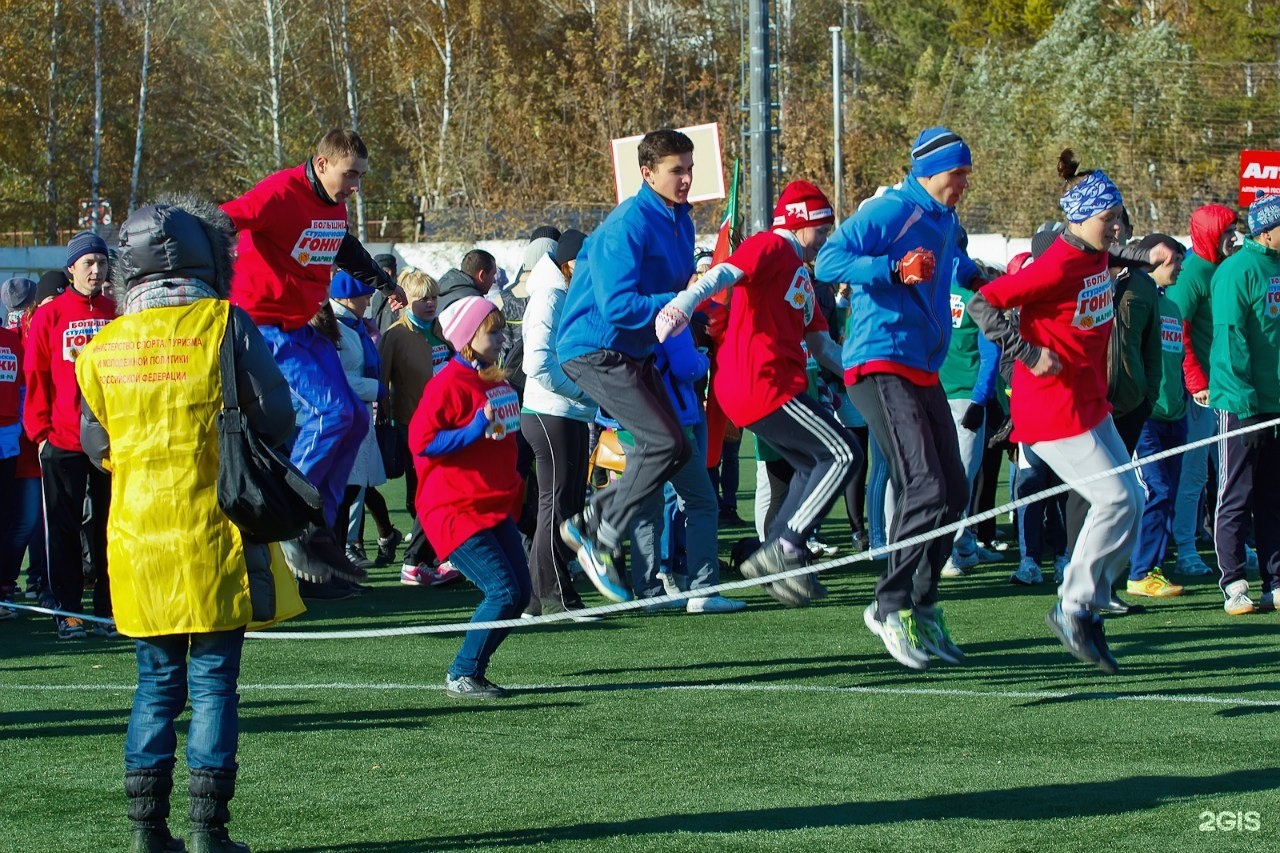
[{"x": 1259, "y": 170}]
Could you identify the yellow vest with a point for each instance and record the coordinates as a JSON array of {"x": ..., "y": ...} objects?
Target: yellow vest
[{"x": 176, "y": 563}]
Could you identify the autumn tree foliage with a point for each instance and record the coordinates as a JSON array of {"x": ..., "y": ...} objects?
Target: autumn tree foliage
[{"x": 485, "y": 116}]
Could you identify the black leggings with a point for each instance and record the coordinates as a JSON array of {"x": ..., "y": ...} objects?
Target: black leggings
[{"x": 560, "y": 464}]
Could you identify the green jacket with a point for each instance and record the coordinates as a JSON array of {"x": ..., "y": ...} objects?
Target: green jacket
[
  {"x": 1133, "y": 357},
  {"x": 1191, "y": 294},
  {"x": 1245, "y": 377},
  {"x": 1171, "y": 398}
]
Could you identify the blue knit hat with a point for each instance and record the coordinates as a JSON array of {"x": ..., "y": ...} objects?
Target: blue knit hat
[
  {"x": 938, "y": 150},
  {"x": 85, "y": 243},
  {"x": 1264, "y": 214},
  {"x": 346, "y": 286}
]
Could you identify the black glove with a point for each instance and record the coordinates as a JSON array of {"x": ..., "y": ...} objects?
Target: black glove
[
  {"x": 1259, "y": 438},
  {"x": 973, "y": 417}
]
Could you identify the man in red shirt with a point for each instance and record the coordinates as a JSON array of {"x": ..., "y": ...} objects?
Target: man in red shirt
[
  {"x": 760, "y": 378},
  {"x": 293, "y": 231},
  {"x": 51, "y": 419}
]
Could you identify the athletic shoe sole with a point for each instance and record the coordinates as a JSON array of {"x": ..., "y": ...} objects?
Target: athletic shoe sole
[
  {"x": 605, "y": 582},
  {"x": 788, "y": 591},
  {"x": 874, "y": 626},
  {"x": 1080, "y": 654}
]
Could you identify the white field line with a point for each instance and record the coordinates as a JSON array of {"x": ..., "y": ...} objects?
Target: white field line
[{"x": 948, "y": 692}]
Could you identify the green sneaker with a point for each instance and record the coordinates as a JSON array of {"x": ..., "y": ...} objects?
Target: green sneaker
[
  {"x": 931, "y": 628},
  {"x": 898, "y": 633}
]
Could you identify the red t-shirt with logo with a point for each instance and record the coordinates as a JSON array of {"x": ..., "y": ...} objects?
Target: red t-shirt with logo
[
  {"x": 59, "y": 330},
  {"x": 761, "y": 365},
  {"x": 475, "y": 487},
  {"x": 289, "y": 239},
  {"x": 1067, "y": 302}
]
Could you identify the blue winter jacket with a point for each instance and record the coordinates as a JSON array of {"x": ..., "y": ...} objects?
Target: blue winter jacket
[
  {"x": 681, "y": 366},
  {"x": 627, "y": 270},
  {"x": 889, "y": 321}
]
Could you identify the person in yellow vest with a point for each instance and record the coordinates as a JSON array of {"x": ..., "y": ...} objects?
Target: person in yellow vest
[{"x": 152, "y": 389}]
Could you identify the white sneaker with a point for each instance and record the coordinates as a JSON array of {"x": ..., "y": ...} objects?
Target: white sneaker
[
  {"x": 951, "y": 570},
  {"x": 714, "y": 604},
  {"x": 670, "y": 583},
  {"x": 1028, "y": 573},
  {"x": 1238, "y": 602},
  {"x": 818, "y": 548}
]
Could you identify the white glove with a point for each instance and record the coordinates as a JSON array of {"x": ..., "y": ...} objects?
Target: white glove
[{"x": 670, "y": 321}]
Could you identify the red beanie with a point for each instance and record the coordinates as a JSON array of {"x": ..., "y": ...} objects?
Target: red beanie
[{"x": 801, "y": 205}]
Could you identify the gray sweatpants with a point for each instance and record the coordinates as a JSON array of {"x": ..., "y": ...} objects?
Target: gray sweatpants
[{"x": 1110, "y": 528}]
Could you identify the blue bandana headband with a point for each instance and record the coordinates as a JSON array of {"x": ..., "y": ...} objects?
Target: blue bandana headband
[{"x": 1094, "y": 195}]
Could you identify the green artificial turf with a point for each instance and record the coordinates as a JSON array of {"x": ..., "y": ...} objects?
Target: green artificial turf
[{"x": 352, "y": 745}]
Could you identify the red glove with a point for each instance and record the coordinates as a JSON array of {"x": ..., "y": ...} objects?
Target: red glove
[{"x": 916, "y": 266}]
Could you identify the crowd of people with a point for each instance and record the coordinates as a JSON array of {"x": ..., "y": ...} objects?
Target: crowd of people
[{"x": 874, "y": 361}]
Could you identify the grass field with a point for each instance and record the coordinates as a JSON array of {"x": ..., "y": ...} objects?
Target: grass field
[{"x": 769, "y": 729}]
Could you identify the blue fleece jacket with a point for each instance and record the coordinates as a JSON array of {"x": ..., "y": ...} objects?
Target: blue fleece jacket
[
  {"x": 889, "y": 321},
  {"x": 681, "y": 366},
  {"x": 627, "y": 270}
]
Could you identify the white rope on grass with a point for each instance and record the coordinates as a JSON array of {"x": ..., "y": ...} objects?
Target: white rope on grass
[{"x": 656, "y": 602}]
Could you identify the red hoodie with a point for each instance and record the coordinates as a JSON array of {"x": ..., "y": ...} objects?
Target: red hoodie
[
  {"x": 1208, "y": 224},
  {"x": 59, "y": 331},
  {"x": 289, "y": 239}
]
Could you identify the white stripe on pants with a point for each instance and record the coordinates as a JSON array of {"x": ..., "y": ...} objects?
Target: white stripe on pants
[{"x": 1110, "y": 528}]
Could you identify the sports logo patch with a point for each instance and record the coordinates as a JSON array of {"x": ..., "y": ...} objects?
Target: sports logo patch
[
  {"x": 1171, "y": 334},
  {"x": 800, "y": 293},
  {"x": 8, "y": 365},
  {"x": 957, "y": 310},
  {"x": 1273, "y": 297},
  {"x": 77, "y": 335},
  {"x": 319, "y": 243},
  {"x": 1096, "y": 303},
  {"x": 506, "y": 412}
]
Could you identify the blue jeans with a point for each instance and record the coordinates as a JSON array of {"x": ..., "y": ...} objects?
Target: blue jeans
[
  {"x": 701, "y": 510},
  {"x": 332, "y": 421},
  {"x": 494, "y": 560},
  {"x": 877, "y": 489},
  {"x": 725, "y": 478},
  {"x": 1160, "y": 479},
  {"x": 165, "y": 677}
]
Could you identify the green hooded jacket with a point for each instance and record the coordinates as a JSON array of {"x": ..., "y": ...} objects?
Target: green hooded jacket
[{"x": 1245, "y": 358}]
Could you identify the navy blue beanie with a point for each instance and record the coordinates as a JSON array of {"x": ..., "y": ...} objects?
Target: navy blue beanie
[
  {"x": 938, "y": 150},
  {"x": 85, "y": 243}
]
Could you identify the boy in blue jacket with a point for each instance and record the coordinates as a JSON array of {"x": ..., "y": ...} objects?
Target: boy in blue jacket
[
  {"x": 626, "y": 272},
  {"x": 898, "y": 254}
]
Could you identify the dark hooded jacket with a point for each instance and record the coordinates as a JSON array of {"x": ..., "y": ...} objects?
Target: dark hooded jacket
[
  {"x": 454, "y": 285},
  {"x": 190, "y": 240}
]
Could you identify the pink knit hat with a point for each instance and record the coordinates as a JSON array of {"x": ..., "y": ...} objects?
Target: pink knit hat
[{"x": 461, "y": 319}]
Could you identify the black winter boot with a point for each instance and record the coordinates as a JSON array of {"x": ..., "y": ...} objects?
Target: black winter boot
[
  {"x": 148, "y": 792},
  {"x": 210, "y": 792}
]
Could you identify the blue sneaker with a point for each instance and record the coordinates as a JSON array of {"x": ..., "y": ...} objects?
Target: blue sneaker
[
  {"x": 598, "y": 564},
  {"x": 1076, "y": 632}
]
